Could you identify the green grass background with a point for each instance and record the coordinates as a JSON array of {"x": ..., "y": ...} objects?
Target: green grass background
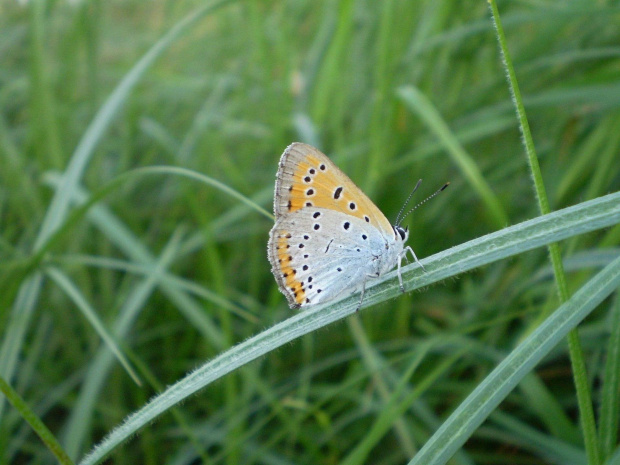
[{"x": 161, "y": 271}]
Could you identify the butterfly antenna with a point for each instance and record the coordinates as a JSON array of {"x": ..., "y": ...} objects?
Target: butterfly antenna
[
  {"x": 397, "y": 222},
  {"x": 422, "y": 202}
]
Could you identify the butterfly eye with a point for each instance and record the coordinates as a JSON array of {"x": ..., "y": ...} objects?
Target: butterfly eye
[{"x": 403, "y": 233}]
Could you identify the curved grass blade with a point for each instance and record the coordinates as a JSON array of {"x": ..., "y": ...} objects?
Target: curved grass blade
[
  {"x": 72, "y": 291},
  {"x": 202, "y": 178},
  {"x": 79, "y": 423},
  {"x": 595, "y": 214}
]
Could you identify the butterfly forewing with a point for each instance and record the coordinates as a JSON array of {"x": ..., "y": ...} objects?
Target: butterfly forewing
[{"x": 308, "y": 178}]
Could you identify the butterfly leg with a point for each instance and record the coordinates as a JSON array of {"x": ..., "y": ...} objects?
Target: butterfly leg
[
  {"x": 402, "y": 255},
  {"x": 409, "y": 249},
  {"x": 359, "y": 304}
]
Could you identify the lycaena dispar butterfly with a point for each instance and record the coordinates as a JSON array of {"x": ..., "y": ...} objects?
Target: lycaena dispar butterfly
[{"x": 329, "y": 238}]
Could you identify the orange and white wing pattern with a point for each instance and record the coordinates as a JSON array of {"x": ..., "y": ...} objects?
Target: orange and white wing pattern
[
  {"x": 307, "y": 178},
  {"x": 328, "y": 234}
]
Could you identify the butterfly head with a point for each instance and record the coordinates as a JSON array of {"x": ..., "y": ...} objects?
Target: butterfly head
[{"x": 401, "y": 233}]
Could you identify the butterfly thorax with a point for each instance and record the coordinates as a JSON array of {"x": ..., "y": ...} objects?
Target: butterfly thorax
[{"x": 393, "y": 247}]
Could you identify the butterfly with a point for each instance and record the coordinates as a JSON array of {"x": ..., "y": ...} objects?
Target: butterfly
[{"x": 329, "y": 238}]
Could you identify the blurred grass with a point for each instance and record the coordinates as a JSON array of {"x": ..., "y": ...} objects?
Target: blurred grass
[{"x": 177, "y": 272}]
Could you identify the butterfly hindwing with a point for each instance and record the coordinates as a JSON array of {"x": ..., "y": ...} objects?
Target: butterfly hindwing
[{"x": 320, "y": 256}]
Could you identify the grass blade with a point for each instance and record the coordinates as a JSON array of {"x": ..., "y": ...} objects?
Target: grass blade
[
  {"x": 610, "y": 399},
  {"x": 487, "y": 396},
  {"x": 24, "y": 305},
  {"x": 588, "y": 216},
  {"x": 34, "y": 421},
  {"x": 584, "y": 396},
  {"x": 64, "y": 283},
  {"x": 418, "y": 102}
]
